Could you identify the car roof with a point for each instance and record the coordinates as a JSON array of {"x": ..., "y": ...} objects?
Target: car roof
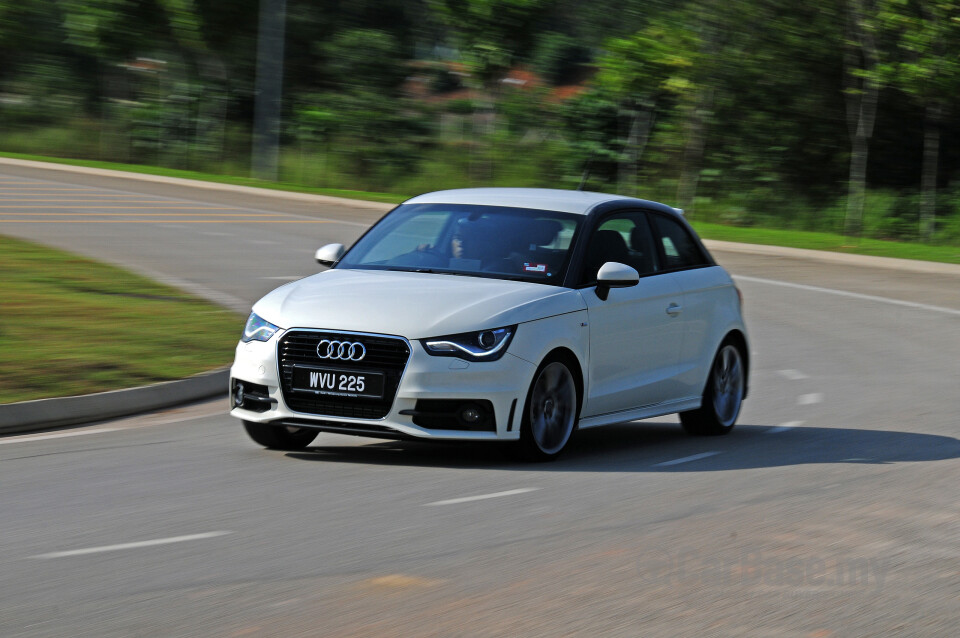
[{"x": 565, "y": 201}]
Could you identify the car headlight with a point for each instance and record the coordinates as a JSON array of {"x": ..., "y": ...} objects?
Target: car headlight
[
  {"x": 484, "y": 345},
  {"x": 258, "y": 329}
]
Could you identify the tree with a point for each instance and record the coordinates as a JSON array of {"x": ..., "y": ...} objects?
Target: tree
[
  {"x": 863, "y": 80},
  {"x": 490, "y": 34},
  {"x": 638, "y": 73},
  {"x": 380, "y": 132},
  {"x": 928, "y": 69}
]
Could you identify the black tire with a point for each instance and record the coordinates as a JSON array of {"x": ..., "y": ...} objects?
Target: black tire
[
  {"x": 279, "y": 437},
  {"x": 722, "y": 396},
  {"x": 551, "y": 411}
]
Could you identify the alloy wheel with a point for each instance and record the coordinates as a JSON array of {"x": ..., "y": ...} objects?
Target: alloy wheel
[{"x": 553, "y": 408}]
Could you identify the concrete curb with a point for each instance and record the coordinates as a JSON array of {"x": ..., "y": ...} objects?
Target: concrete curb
[
  {"x": 43, "y": 414},
  {"x": 845, "y": 259},
  {"x": 201, "y": 184}
]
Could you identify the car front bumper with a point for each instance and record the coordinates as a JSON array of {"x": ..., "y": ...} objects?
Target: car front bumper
[{"x": 503, "y": 383}]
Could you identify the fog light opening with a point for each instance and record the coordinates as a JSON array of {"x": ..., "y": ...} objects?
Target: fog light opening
[
  {"x": 238, "y": 395},
  {"x": 470, "y": 414}
]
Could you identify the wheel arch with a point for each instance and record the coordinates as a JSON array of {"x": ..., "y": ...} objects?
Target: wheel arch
[
  {"x": 739, "y": 339},
  {"x": 567, "y": 355},
  {"x": 528, "y": 446}
]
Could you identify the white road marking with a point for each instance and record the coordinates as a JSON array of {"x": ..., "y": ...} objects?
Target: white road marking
[
  {"x": 810, "y": 399},
  {"x": 686, "y": 459},
  {"x": 793, "y": 375},
  {"x": 59, "y": 435},
  {"x": 265, "y": 242},
  {"x": 783, "y": 427},
  {"x": 481, "y": 497},
  {"x": 852, "y": 295},
  {"x": 114, "y": 548}
]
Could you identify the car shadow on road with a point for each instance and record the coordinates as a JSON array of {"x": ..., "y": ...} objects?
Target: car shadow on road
[{"x": 660, "y": 447}]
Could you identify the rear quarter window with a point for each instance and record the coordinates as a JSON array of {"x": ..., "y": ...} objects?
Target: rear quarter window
[{"x": 680, "y": 249}]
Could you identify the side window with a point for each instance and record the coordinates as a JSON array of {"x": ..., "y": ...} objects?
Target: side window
[
  {"x": 679, "y": 248},
  {"x": 623, "y": 237}
]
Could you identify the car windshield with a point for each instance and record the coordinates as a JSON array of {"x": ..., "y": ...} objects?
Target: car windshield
[{"x": 481, "y": 241}]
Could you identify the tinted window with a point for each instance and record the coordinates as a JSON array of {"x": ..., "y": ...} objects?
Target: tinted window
[
  {"x": 625, "y": 238},
  {"x": 679, "y": 248},
  {"x": 459, "y": 239}
]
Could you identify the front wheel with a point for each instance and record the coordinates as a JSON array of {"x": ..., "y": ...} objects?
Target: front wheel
[
  {"x": 551, "y": 414},
  {"x": 722, "y": 398},
  {"x": 279, "y": 437}
]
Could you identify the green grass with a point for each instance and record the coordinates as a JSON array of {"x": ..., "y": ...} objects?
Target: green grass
[
  {"x": 750, "y": 235},
  {"x": 830, "y": 242},
  {"x": 69, "y": 325}
]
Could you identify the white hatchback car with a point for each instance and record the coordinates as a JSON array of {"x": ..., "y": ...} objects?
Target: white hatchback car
[{"x": 498, "y": 314}]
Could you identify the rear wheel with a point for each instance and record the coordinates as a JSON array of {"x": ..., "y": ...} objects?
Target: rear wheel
[
  {"x": 551, "y": 413},
  {"x": 280, "y": 437},
  {"x": 723, "y": 396}
]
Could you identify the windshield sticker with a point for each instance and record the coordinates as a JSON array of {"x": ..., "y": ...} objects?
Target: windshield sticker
[{"x": 529, "y": 267}]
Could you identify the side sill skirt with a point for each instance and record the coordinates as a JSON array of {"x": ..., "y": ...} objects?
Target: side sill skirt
[{"x": 646, "y": 412}]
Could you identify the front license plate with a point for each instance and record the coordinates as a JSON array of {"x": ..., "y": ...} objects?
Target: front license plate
[{"x": 338, "y": 383}]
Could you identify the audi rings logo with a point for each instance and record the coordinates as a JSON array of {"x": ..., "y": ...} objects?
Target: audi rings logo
[{"x": 341, "y": 350}]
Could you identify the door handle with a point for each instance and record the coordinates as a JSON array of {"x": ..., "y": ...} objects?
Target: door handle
[{"x": 674, "y": 309}]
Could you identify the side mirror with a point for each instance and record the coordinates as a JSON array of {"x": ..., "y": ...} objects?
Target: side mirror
[
  {"x": 615, "y": 275},
  {"x": 329, "y": 254}
]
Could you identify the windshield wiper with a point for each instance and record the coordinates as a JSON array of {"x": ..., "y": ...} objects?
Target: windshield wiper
[{"x": 413, "y": 269}]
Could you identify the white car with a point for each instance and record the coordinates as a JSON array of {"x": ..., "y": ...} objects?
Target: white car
[{"x": 498, "y": 314}]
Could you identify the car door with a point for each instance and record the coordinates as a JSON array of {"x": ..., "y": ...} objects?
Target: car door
[
  {"x": 706, "y": 287},
  {"x": 635, "y": 337}
]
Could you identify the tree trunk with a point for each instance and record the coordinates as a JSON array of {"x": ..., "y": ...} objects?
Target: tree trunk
[
  {"x": 862, "y": 90},
  {"x": 693, "y": 150},
  {"x": 928, "y": 179},
  {"x": 627, "y": 166},
  {"x": 857, "y": 185},
  {"x": 641, "y": 124}
]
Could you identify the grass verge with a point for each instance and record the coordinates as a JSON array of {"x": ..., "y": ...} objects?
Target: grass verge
[
  {"x": 753, "y": 235},
  {"x": 829, "y": 241},
  {"x": 75, "y": 326}
]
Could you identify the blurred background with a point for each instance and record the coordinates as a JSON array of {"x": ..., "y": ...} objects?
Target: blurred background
[{"x": 831, "y": 116}]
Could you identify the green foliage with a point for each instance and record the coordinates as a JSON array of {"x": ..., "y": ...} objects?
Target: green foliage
[
  {"x": 928, "y": 41},
  {"x": 592, "y": 123},
  {"x": 558, "y": 57},
  {"x": 654, "y": 62},
  {"x": 490, "y": 34},
  {"x": 363, "y": 60},
  {"x": 742, "y": 107}
]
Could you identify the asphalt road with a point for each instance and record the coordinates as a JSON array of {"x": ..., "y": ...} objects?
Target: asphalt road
[{"x": 831, "y": 510}]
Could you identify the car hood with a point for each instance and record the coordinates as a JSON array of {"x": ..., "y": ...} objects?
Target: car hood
[{"x": 410, "y": 304}]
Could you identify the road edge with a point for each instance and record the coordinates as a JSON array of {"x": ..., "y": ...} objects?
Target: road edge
[
  {"x": 200, "y": 184},
  {"x": 840, "y": 259},
  {"x": 45, "y": 414},
  {"x": 823, "y": 256}
]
